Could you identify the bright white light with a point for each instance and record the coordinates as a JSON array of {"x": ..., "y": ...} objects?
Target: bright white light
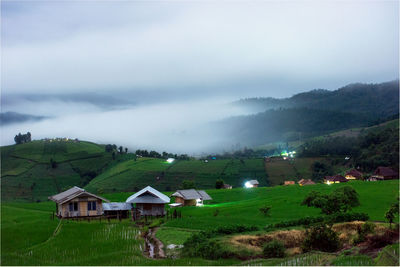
[
  {"x": 198, "y": 202},
  {"x": 248, "y": 185},
  {"x": 170, "y": 160}
]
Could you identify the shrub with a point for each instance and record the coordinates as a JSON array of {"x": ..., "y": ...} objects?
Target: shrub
[
  {"x": 274, "y": 249},
  {"x": 362, "y": 232},
  {"x": 265, "y": 210},
  {"x": 198, "y": 245},
  {"x": 321, "y": 237}
]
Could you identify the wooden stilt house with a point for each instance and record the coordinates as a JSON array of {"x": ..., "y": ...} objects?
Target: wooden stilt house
[
  {"x": 77, "y": 202},
  {"x": 148, "y": 202}
]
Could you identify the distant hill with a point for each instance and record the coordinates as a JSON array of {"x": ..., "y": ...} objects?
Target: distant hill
[
  {"x": 312, "y": 113},
  {"x": 381, "y": 99}
]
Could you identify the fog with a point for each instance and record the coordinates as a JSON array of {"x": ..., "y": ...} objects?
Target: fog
[
  {"x": 181, "y": 127},
  {"x": 154, "y": 74}
]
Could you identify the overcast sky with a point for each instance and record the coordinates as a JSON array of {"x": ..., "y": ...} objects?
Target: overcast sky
[{"x": 175, "y": 50}]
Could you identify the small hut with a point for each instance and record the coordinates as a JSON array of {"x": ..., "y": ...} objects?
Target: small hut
[
  {"x": 353, "y": 175},
  {"x": 226, "y": 186},
  {"x": 251, "y": 184},
  {"x": 149, "y": 202},
  {"x": 76, "y": 202},
  {"x": 385, "y": 173},
  {"x": 191, "y": 197},
  {"x": 335, "y": 179},
  {"x": 304, "y": 182},
  {"x": 289, "y": 183},
  {"x": 119, "y": 210}
]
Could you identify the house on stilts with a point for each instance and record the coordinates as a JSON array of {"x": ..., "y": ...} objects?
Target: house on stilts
[{"x": 148, "y": 202}]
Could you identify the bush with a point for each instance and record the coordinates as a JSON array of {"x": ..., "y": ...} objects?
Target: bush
[
  {"x": 274, "y": 249},
  {"x": 198, "y": 245},
  {"x": 362, "y": 232},
  {"x": 265, "y": 210},
  {"x": 321, "y": 237}
]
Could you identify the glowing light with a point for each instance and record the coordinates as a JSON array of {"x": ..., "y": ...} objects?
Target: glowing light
[
  {"x": 248, "y": 185},
  {"x": 199, "y": 202},
  {"x": 170, "y": 160}
]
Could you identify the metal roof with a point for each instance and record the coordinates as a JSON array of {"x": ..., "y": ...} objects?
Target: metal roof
[
  {"x": 117, "y": 206},
  {"x": 148, "y": 195},
  {"x": 192, "y": 194},
  {"x": 253, "y": 182},
  {"x": 71, "y": 194}
]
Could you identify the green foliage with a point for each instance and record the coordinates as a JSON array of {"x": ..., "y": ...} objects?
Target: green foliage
[
  {"x": 320, "y": 170},
  {"x": 274, "y": 249},
  {"x": 340, "y": 200},
  {"x": 307, "y": 221},
  {"x": 390, "y": 215},
  {"x": 353, "y": 260},
  {"x": 265, "y": 210},
  {"x": 23, "y": 138},
  {"x": 388, "y": 256},
  {"x": 321, "y": 237},
  {"x": 200, "y": 246},
  {"x": 362, "y": 231},
  {"x": 219, "y": 184}
]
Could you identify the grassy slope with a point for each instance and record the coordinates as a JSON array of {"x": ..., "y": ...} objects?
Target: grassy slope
[
  {"x": 242, "y": 205},
  {"x": 27, "y": 174},
  {"x": 133, "y": 175}
]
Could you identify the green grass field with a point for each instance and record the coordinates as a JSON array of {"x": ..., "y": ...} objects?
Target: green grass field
[{"x": 29, "y": 236}]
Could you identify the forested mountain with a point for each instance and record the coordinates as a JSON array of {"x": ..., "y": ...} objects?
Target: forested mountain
[
  {"x": 313, "y": 113},
  {"x": 380, "y": 99}
]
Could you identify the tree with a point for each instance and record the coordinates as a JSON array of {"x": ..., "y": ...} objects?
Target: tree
[
  {"x": 126, "y": 150},
  {"x": 321, "y": 237},
  {"x": 340, "y": 200},
  {"x": 219, "y": 184},
  {"x": 392, "y": 211},
  {"x": 113, "y": 155},
  {"x": 120, "y": 149},
  {"x": 187, "y": 184},
  {"x": 53, "y": 163}
]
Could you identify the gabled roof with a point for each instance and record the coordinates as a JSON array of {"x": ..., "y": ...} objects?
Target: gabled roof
[
  {"x": 117, "y": 206},
  {"x": 188, "y": 194},
  {"x": 148, "y": 195},
  {"x": 354, "y": 173},
  {"x": 71, "y": 194},
  {"x": 253, "y": 182},
  {"x": 385, "y": 171},
  {"x": 305, "y": 182}
]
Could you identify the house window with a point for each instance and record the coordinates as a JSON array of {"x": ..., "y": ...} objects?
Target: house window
[
  {"x": 91, "y": 205},
  {"x": 73, "y": 206}
]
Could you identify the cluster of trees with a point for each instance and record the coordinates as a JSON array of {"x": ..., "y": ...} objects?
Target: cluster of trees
[
  {"x": 114, "y": 148},
  {"x": 340, "y": 200},
  {"x": 23, "y": 138},
  {"x": 165, "y": 155}
]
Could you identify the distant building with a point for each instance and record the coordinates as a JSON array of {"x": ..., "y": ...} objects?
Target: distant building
[
  {"x": 335, "y": 179},
  {"x": 117, "y": 209},
  {"x": 251, "y": 184},
  {"x": 226, "y": 186},
  {"x": 289, "y": 183},
  {"x": 191, "y": 197},
  {"x": 353, "y": 175},
  {"x": 385, "y": 173},
  {"x": 76, "y": 202},
  {"x": 304, "y": 182},
  {"x": 148, "y": 202}
]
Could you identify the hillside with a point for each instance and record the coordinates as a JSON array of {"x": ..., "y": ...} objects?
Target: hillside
[
  {"x": 132, "y": 175},
  {"x": 313, "y": 113},
  {"x": 27, "y": 173},
  {"x": 382, "y": 98}
]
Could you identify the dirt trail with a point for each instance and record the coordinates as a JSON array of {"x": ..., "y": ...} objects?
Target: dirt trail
[{"x": 154, "y": 248}]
